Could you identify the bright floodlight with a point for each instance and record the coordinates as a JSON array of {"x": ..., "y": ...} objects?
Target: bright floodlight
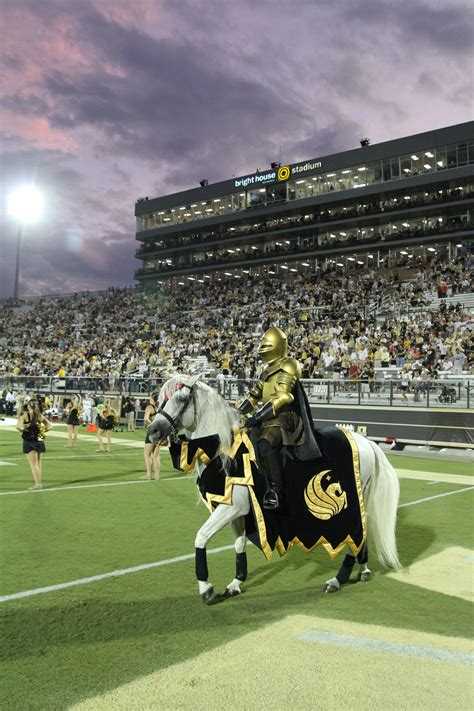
[{"x": 25, "y": 204}]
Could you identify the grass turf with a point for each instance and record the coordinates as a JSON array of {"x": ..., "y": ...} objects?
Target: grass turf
[{"x": 70, "y": 644}]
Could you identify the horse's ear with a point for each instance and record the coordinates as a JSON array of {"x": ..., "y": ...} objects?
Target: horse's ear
[{"x": 194, "y": 378}]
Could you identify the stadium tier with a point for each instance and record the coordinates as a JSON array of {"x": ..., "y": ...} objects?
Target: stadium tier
[
  {"x": 363, "y": 258},
  {"x": 376, "y": 206}
]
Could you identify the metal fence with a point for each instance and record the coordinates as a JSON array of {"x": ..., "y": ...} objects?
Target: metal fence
[{"x": 452, "y": 392}]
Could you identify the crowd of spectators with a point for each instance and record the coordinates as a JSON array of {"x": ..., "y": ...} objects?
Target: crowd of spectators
[{"x": 338, "y": 324}]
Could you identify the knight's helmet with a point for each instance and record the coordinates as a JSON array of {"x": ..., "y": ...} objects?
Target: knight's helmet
[{"x": 274, "y": 345}]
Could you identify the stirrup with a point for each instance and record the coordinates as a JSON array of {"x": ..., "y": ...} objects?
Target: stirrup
[{"x": 271, "y": 500}]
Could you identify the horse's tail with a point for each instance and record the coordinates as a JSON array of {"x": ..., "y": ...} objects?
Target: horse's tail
[{"x": 381, "y": 506}]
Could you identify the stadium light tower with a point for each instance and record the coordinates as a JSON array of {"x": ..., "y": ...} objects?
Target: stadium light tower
[{"x": 25, "y": 205}]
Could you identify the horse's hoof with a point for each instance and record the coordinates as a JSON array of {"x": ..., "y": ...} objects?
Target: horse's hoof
[
  {"x": 365, "y": 576},
  {"x": 208, "y": 596},
  {"x": 330, "y": 588},
  {"x": 229, "y": 592}
]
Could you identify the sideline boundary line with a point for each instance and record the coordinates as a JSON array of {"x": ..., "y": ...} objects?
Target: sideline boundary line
[
  {"x": 65, "y": 457},
  {"x": 415, "y": 475},
  {"x": 93, "y": 486},
  {"x": 159, "y": 563}
]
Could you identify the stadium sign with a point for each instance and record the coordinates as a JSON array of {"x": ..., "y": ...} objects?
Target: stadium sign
[
  {"x": 284, "y": 172},
  {"x": 255, "y": 179}
]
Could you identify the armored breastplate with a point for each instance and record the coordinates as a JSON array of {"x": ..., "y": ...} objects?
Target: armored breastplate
[
  {"x": 278, "y": 378},
  {"x": 269, "y": 386}
]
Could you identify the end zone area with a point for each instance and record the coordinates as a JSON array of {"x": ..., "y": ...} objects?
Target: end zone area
[{"x": 304, "y": 662}]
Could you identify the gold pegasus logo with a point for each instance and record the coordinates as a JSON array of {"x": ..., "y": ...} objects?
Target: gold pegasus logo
[{"x": 324, "y": 503}]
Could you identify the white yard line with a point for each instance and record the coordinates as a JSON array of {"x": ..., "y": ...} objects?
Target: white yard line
[
  {"x": 86, "y": 437},
  {"x": 437, "y": 496},
  {"x": 159, "y": 563},
  {"x": 104, "y": 576},
  {"x": 433, "y": 477},
  {"x": 92, "y": 486},
  {"x": 97, "y": 456}
]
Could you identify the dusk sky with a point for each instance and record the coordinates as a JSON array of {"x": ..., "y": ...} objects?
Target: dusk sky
[{"x": 104, "y": 101}]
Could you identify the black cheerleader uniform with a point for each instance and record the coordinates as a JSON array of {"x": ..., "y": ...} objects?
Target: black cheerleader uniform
[
  {"x": 106, "y": 423},
  {"x": 147, "y": 437},
  {"x": 73, "y": 417},
  {"x": 33, "y": 437}
]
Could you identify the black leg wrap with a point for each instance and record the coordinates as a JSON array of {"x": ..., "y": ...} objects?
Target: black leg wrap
[
  {"x": 346, "y": 569},
  {"x": 363, "y": 556},
  {"x": 241, "y": 566},
  {"x": 202, "y": 572}
]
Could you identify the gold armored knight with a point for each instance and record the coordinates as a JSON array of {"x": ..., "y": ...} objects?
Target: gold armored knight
[{"x": 279, "y": 423}]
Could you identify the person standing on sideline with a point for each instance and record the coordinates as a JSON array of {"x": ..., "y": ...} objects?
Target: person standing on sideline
[
  {"x": 73, "y": 411},
  {"x": 33, "y": 426},
  {"x": 106, "y": 419},
  {"x": 128, "y": 410},
  {"x": 151, "y": 451},
  {"x": 10, "y": 400},
  {"x": 88, "y": 404}
]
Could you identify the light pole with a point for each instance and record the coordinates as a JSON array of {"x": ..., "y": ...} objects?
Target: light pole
[
  {"x": 25, "y": 205},
  {"x": 17, "y": 263}
]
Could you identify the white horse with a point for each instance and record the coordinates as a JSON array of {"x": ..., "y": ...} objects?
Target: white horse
[{"x": 190, "y": 406}]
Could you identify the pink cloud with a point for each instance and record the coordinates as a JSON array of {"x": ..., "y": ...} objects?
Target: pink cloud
[{"x": 35, "y": 132}]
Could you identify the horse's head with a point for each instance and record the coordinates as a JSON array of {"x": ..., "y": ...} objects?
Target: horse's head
[{"x": 177, "y": 410}]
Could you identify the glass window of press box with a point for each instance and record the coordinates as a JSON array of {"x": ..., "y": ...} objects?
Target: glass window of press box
[
  {"x": 405, "y": 230},
  {"x": 420, "y": 163},
  {"x": 356, "y": 207}
]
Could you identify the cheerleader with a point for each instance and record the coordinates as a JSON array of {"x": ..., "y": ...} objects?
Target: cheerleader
[
  {"x": 107, "y": 417},
  {"x": 33, "y": 426},
  {"x": 73, "y": 410},
  {"x": 151, "y": 450}
]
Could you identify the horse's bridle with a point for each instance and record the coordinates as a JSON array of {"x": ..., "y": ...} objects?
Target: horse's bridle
[{"x": 175, "y": 421}]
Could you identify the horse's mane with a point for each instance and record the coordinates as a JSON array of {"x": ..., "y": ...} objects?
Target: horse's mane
[{"x": 215, "y": 415}]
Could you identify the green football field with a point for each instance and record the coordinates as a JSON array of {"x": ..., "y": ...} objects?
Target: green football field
[{"x": 63, "y": 645}]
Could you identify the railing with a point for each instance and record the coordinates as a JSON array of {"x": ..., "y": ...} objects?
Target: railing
[
  {"x": 364, "y": 311},
  {"x": 452, "y": 391}
]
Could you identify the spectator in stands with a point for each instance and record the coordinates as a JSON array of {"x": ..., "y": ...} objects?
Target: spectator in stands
[
  {"x": 459, "y": 358},
  {"x": 354, "y": 371},
  {"x": 241, "y": 380},
  {"x": 220, "y": 379},
  {"x": 442, "y": 289},
  {"x": 405, "y": 378},
  {"x": 226, "y": 323},
  {"x": 385, "y": 357},
  {"x": 366, "y": 376}
]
